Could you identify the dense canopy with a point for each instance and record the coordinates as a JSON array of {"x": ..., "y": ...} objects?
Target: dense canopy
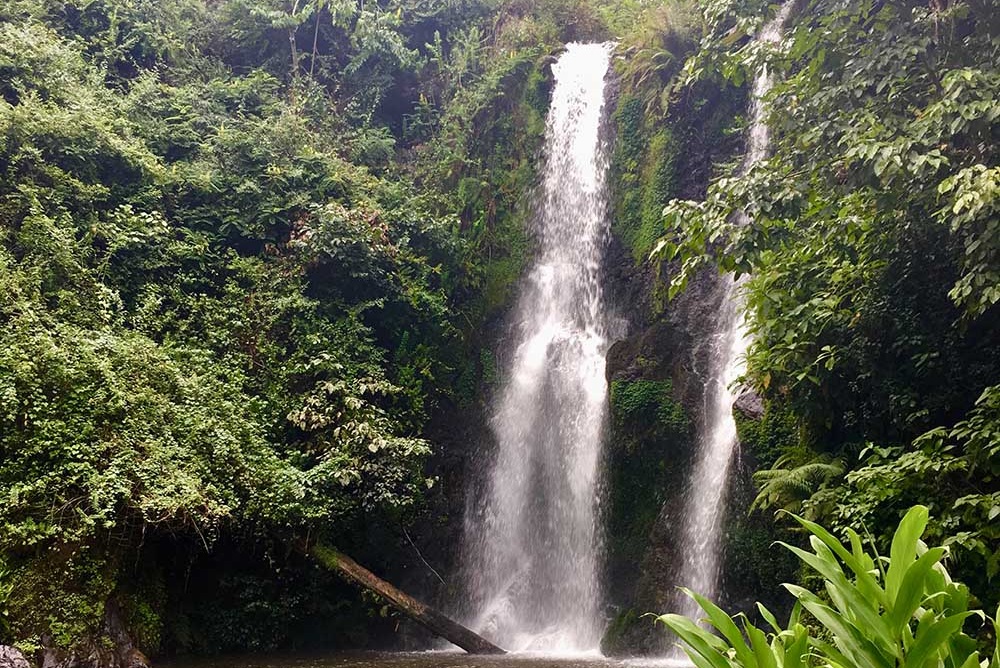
[{"x": 255, "y": 254}]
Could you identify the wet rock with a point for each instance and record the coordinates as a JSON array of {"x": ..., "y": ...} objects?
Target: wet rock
[
  {"x": 51, "y": 657},
  {"x": 112, "y": 648},
  {"x": 134, "y": 659},
  {"x": 91, "y": 654},
  {"x": 11, "y": 657},
  {"x": 750, "y": 404}
]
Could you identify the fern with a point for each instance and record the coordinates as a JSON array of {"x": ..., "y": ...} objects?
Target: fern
[{"x": 786, "y": 485}]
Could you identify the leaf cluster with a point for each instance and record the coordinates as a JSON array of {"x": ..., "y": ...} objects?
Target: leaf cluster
[{"x": 877, "y": 611}]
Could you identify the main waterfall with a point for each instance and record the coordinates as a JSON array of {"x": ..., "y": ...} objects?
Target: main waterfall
[
  {"x": 534, "y": 546},
  {"x": 717, "y": 438}
]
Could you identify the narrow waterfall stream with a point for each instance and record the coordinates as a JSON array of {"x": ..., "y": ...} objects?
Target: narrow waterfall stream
[
  {"x": 534, "y": 546},
  {"x": 707, "y": 491}
]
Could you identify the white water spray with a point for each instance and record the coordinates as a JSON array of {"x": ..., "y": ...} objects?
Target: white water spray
[
  {"x": 706, "y": 497},
  {"x": 533, "y": 543}
]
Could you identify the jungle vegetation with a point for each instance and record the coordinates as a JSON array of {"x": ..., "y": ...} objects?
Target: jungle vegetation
[
  {"x": 250, "y": 250},
  {"x": 872, "y": 253}
]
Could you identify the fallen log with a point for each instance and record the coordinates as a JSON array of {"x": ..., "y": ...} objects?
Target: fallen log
[{"x": 434, "y": 621}]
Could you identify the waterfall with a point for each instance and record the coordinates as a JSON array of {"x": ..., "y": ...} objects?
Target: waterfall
[
  {"x": 717, "y": 438},
  {"x": 533, "y": 543}
]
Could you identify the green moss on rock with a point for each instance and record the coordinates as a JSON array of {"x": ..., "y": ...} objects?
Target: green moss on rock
[
  {"x": 768, "y": 436},
  {"x": 643, "y": 170},
  {"x": 650, "y": 432}
]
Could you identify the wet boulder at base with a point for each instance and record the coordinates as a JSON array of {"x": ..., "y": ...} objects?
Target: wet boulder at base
[
  {"x": 113, "y": 647},
  {"x": 11, "y": 657},
  {"x": 93, "y": 653}
]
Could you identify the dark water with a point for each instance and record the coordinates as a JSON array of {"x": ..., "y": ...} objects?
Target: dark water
[{"x": 423, "y": 660}]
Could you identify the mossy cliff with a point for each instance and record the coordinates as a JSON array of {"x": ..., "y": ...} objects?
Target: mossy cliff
[{"x": 665, "y": 148}]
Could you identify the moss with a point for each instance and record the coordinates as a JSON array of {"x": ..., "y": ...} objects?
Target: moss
[
  {"x": 643, "y": 170},
  {"x": 488, "y": 364},
  {"x": 657, "y": 190},
  {"x": 615, "y": 639},
  {"x": 767, "y": 437},
  {"x": 755, "y": 565},
  {"x": 143, "y": 601},
  {"x": 649, "y": 430},
  {"x": 647, "y": 405}
]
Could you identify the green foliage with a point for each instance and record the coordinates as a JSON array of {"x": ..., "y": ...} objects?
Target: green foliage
[
  {"x": 120, "y": 432},
  {"x": 489, "y": 134},
  {"x": 650, "y": 437},
  {"x": 952, "y": 469},
  {"x": 872, "y": 268},
  {"x": 645, "y": 404},
  {"x": 6, "y": 589},
  {"x": 656, "y": 40},
  {"x": 246, "y": 251},
  {"x": 214, "y": 322},
  {"x": 971, "y": 205},
  {"x": 788, "y": 484},
  {"x": 613, "y": 642},
  {"x": 900, "y": 610}
]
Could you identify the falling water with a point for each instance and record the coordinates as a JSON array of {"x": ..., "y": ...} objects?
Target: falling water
[
  {"x": 534, "y": 546},
  {"x": 706, "y": 498}
]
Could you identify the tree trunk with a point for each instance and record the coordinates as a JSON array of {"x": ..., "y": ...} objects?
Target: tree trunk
[{"x": 430, "y": 618}]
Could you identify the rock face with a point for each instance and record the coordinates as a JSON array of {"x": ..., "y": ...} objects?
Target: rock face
[
  {"x": 92, "y": 654},
  {"x": 750, "y": 404},
  {"x": 11, "y": 657},
  {"x": 655, "y": 374},
  {"x": 97, "y": 652}
]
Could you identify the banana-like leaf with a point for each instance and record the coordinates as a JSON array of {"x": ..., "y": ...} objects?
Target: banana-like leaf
[
  {"x": 847, "y": 637},
  {"x": 769, "y": 617},
  {"x": 904, "y": 550},
  {"x": 862, "y": 614},
  {"x": 704, "y": 648},
  {"x": 727, "y": 627},
  {"x": 832, "y": 655},
  {"x": 796, "y": 653},
  {"x": 870, "y": 627},
  {"x": 931, "y": 639},
  {"x": 912, "y": 589},
  {"x": 861, "y": 565},
  {"x": 847, "y": 598},
  {"x": 762, "y": 651},
  {"x": 971, "y": 662},
  {"x": 995, "y": 661}
]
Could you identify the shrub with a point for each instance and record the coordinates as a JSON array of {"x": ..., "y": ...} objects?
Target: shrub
[{"x": 902, "y": 611}]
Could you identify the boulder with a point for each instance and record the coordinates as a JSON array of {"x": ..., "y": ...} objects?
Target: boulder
[
  {"x": 749, "y": 404},
  {"x": 91, "y": 655},
  {"x": 111, "y": 648},
  {"x": 133, "y": 658},
  {"x": 11, "y": 657}
]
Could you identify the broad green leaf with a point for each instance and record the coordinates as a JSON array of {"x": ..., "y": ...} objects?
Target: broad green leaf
[
  {"x": 726, "y": 626},
  {"x": 762, "y": 651},
  {"x": 904, "y": 550},
  {"x": 701, "y": 642},
  {"x": 769, "y": 617},
  {"x": 995, "y": 661},
  {"x": 797, "y": 652},
  {"x": 930, "y": 640},
  {"x": 912, "y": 589},
  {"x": 847, "y": 637},
  {"x": 861, "y": 568}
]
